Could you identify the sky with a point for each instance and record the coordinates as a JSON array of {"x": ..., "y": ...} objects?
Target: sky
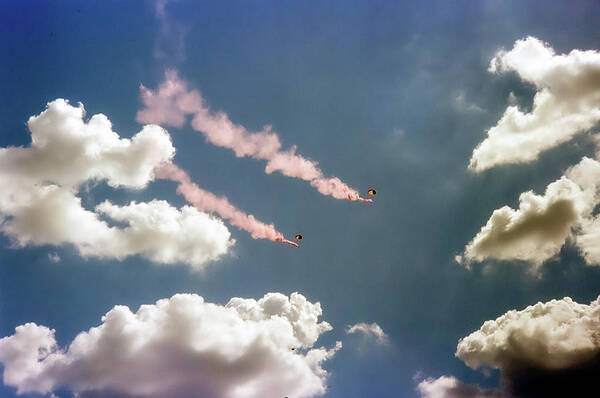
[{"x": 474, "y": 121}]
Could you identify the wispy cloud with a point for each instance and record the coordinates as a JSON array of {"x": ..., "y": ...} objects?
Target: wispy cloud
[
  {"x": 369, "y": 330},
  {"x": 451, "y": 387},
  {"x": 53, "y": 257},
  {"x": 462, "y": 104}
]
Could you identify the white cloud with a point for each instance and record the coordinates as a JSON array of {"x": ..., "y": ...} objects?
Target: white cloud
[
  {"x": 54, "y": 257},
  {"x": 587, "y": 175},
  {"x": 538, "y": 229},
  {"x": 451, "y": 387},
  {"x": 535, "y": 231},
  {"x": 587, "y": 240},
  {"x": 553, "y": 335},
  {"x": 567, "y": 102},
  {"x": 38, "y": 202},
  {"x": 163, "y": 234},
  {"x": 548, "y": 349},
  {"x": 179, "y": 347},
  {"x": 371, "y": 330},
  {"x": 67, "y": 150},
  {"x": 462, "y": 104}
]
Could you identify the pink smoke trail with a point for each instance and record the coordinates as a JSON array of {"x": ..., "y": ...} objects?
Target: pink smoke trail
[
  {"x": 209, "y": 202},
  {"x": 289, "y": 242},
  {"x": 173, "y": 102}
]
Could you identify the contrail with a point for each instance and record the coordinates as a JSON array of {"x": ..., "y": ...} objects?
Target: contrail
[
  {"x": 208, "y": 202},
  {"x": 173, "y": 102}
]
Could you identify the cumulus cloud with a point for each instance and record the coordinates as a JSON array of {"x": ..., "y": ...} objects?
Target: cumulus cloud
[
  {"x": 39, "y": 203},
  {"x": 163, "y": 233},
  {"x": 451, "y": 387},
  {"x": 567, "y": 102},
  {"x": 553, "y": 335},
  {"x": 587, "y": 240},
  {"x": 538, "y": 229},
  {"x": 67, "y": 150},
  {"x": 535, "y": 231},
  {"x": 179, "y": 347},
  {"x": 548, "y": 348},
  {"x": 371, "y": 330}
]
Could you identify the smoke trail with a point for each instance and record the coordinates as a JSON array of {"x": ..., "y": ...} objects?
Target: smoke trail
[
  {"x": 173, "y": 102},
  {"x": 169, "y": 47},
  {"x": 208, "y": 202}
]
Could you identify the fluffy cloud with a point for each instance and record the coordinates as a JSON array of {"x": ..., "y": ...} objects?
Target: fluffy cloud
[
  {"x": 538, "y": 229},
  {"x": 587, "y": 240},
  {"x": 548, "y": 349},
  {"x": 163, "y": 233},
  {"x": 451, "y": 387},
  {"x": 371, "y": 330},
  {"x": 67, "y": 150},
  {"x": 179, "y": 347},
  {"x": 535, "y": 231},
  {"x": 545, "y": 348},
  {"x": 38, "y": 202},
  {"x": 553, "y": 335},
  {"x": 567, "y": 102},
  {"x": 587, "y": 175}
]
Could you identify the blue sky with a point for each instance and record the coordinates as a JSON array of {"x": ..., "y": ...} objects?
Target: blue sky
[{"x": 392, "y": 95}]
